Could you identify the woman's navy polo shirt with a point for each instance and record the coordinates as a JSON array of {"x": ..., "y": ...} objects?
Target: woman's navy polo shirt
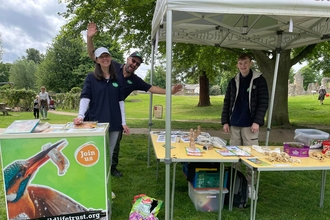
[{"x": 104, "y": 98}]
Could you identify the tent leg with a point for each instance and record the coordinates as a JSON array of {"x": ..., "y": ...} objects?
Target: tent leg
[
  {"x": 168, "y": 159},
  {"x": 270, "y": 109},
  {"x": 150, "y": 101}
]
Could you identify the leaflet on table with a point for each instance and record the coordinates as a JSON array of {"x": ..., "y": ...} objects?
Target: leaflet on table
[
  {"x": 193, "y": 152},
  {"x": 232, "y": 151},
  {"x": 181, "y": 135},
  {"x": 258, "y": 161},
  {"x": 161, "y": 138},
  {"x": 86, "y": 125},
  {"x": 185, "y": 138},
  {"x": 22, "y": 126}
]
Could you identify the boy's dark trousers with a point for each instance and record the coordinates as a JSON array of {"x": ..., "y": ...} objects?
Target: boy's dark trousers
[{"x": 36, "y": 112}]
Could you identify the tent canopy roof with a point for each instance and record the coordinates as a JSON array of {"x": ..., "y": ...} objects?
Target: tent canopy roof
[{"x": 258, "y": 24}]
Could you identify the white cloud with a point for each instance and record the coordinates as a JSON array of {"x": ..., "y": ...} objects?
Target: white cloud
[
  {"x": 298, "y": 66},
  {"x": 28, "y": 24},
  {"x": 142, "y": 70}
]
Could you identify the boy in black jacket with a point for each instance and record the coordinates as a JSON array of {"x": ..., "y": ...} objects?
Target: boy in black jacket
[{"x": 245, "y": 105}]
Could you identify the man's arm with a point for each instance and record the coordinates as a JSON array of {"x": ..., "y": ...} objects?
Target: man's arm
[
  {"x": 157, "y": 90},
  {"x": 91, "y": 31}
]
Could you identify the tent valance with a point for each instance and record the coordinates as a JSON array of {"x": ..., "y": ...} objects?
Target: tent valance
[{"x": 245, "y": 24}]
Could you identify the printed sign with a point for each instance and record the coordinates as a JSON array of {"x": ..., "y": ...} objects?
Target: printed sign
[{"x": 56, "y": 178}]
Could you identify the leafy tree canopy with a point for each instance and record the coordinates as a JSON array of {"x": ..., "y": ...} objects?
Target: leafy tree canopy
[
  {"x": 34, "y": 55},
  {"x": 65, "y": 65},
  {"x": 310, "y": 76},
  {"x": 158, "y": 77},
  {"x": 127, "y": 22},
  {"x": 22, "y": 74},
  {"x": 4, "y": 71}
]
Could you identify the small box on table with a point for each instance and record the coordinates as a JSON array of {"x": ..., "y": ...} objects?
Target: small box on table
[
  {"x": 296, "y": 149},
  {"x": 312, "y": 138},
  {"x": 206, "y": 200},
  {"x": 326, "y": 147}
]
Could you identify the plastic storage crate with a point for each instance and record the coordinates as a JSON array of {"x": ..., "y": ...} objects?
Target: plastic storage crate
[
  {"x": 311, "y": 137},
  {"x": 206, "y": 200},
  {"x": 208, "y": 178}
]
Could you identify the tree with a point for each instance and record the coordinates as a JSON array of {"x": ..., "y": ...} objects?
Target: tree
[
  {"x": 310, "y": 76},
  {"x": 4, "y": 71},
  {"x": 65, "y": 65},
  {"x": 34, "y": 55},
  {"x": 320, "y": 59},
  {"x": 103, "y": 40},
  {"x": 158, "y": 77},
  {"x": 22, "y": 74},
  {"x": 127, "y": 22},
  {"x": 266, "y": 64},
  {"x": 204, "y": 63}
]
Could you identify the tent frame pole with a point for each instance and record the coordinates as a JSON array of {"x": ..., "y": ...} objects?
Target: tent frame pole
[
  {"x": 150, "y": 124},
  {"x": 168, "y": 159},
  {"x": 272, "y": 98}
]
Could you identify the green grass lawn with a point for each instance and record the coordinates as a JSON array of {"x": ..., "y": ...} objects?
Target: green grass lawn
[{"x": 282, "y": 195}]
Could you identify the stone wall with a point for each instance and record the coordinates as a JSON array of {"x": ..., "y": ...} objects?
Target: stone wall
[
  {"x": 297, "y": 87},
  {"x": 325, "y": 82}
]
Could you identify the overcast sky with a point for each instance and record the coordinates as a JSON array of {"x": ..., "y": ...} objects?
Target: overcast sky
[
  {"x": 34, "y": 24},
  {"x": 28, "y": 24}
]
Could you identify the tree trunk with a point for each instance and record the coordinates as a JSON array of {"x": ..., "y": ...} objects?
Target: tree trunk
[
  {"x": 204, "y": 92},
  {"x": 280, "y": 115}
]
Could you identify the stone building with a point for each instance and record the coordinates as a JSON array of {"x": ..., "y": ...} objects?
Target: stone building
[{"x": 297, "y": 87}]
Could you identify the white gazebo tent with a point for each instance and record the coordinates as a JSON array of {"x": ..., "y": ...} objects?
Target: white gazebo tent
[{"x": 256, "y": 24}]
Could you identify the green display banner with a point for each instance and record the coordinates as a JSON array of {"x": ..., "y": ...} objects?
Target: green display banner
[{"x": 56, "y": 178}]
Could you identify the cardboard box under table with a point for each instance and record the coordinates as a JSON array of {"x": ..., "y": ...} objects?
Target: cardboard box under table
[{"x": 57, "y": 174}]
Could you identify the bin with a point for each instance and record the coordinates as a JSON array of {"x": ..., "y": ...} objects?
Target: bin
[
  {"x": 58, "y": 174},
  {"x": 158, "y": 111}
]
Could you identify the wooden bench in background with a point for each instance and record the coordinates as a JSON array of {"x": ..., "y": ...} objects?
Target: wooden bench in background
[{"x": 4, "y": 109}]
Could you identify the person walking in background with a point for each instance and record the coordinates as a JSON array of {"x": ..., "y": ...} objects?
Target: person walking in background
[
  {"x": 244, "y": 108},
  {"x": 51, "y": 103},
  {"x": 36, "y": 107},
  {"x": 129, "y": 82},
  {"x": 322, "y": 93},
  {"x": 43, "y": 102}
]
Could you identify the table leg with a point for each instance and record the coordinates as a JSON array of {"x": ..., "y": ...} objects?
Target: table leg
[
  {"x": 157, "y": 170},
  {"x": 323, "y": 181},
  {"x": 222, "y": 170},
  {"x": 232, "y": 184},
  {"x": 173, "y": 188},
  {"x": 254, "y": 201}
]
